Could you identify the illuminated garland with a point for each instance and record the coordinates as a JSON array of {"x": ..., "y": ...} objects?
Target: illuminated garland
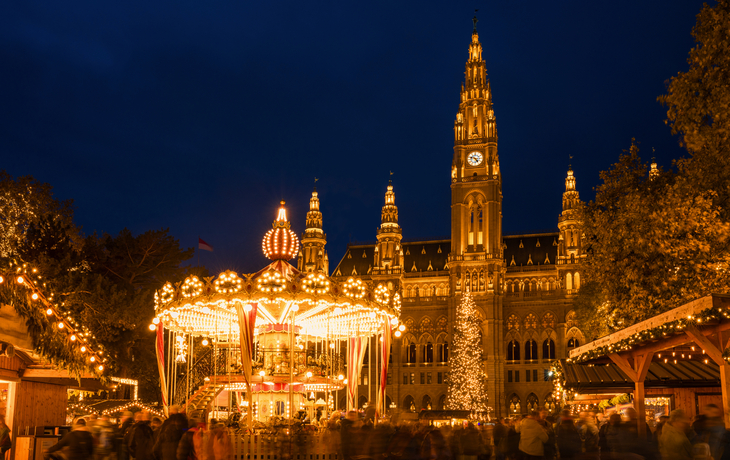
[
  {"x": 665, "y": 330},
  {"x": 79, "y": 336}
]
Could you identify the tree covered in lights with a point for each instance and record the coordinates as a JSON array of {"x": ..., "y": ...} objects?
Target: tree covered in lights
[
  {"x": 105, "y": 282},
  {"x": 467, "y": 381}
]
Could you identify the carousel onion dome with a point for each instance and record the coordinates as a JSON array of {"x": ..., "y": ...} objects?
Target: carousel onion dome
[{"x": 280, "y": 243}]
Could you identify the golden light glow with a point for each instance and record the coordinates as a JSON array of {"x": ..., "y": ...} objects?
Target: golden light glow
[{"x": 280, "y": 243}]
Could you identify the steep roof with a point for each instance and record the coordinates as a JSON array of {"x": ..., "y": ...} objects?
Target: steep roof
[{"x": 425, "y": 256}]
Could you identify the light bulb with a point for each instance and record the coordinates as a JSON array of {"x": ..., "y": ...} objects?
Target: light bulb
[
  {"x": 155, "y": 320},
  {"x": 402, "y": 327},
  {"x": 205, "y": 342},
  {"x": 397, "y": 333},
  {"x": 60, "y": 325},
  {"x": 83, "y": 349},
  {"x": 34, "y": 296},
  {"x": 152, "y": 327},
  {"x": 49, "y": 312}
]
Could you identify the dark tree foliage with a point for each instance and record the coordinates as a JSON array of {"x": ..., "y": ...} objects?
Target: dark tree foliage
[{"x": 104, "y": 282}]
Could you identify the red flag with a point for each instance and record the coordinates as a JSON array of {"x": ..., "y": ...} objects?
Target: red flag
[
  {"x": 204, "y": 246},
  {"x": 160, "y": 349}
]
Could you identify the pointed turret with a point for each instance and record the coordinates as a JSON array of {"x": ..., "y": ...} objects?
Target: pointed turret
[
  {"x": 388, "y": 252},
  {"x": 654, "y": 171},
  {"x": 314, "y": 256},
  {"x": 570, "y": 247}
]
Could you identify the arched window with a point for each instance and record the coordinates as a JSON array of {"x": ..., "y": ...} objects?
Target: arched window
[
  {"x": 576, "y": 280},
  {"x": 513, "y": 351},
  {"x": 442, "y": 351},
  {"x": 411, "y": 353},
  {"x": 409, "y": 404},
  {"x": 427, "y": 352},
  {"x": 573, "y": 342},
  {"x": 530, "y": 350},
  {"x": 513, "y": 322},
  {"x": 569, "y": 282},
  {"x": 548, "y": 349},
  {"x": 426, "y": 402}
]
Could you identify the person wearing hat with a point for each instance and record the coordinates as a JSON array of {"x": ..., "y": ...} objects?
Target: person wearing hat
[{"x": 77, "y": 444}]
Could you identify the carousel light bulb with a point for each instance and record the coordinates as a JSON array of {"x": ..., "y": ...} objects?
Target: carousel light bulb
[
  {"x": 332, "y": 345},
  {"x": 152, "y": 327},
  {"x": 34, "y": 296},
  {"x": 340, "y": 377},
  {"x": 394, "y": 322},
  {"x": 20, "y": 280},
  {"x": 402, "y": 328},
  {"x": 60, "y": 325},
  {"x": 180, "y": 338},
  {"x": 262, "y": 373},
  {"x": 204, "y": 342},
  {"x": 101, "y": 368},
  {"x": 83, "y": 349},
  {"x": 309, "y": 375},
  {"x": 92, "y": 359},
  {"x": 247, "y": 308},
  {"x": 155, "y": 320},
  {"x": 73, "y": 338},
  {"x": 397, "y": 333},
  {"x": 49, "y": 312}
]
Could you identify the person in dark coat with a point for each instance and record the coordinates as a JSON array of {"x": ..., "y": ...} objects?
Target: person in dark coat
[
  {"x": 141, "y": 438},
  {"x": 186, "y": 449},
  {"x": 569, "y": 442},
  {"x": 121, "y": 440},
  {"x": 77, "y": 444},
  {"x": 169, "y": 435}
]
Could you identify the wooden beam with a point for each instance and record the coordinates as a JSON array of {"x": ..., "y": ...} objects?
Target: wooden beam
[
  {"x": 710, "y": 349},
  {"x": 642, "y": 364},
  {"x": 624, "y": 365}
]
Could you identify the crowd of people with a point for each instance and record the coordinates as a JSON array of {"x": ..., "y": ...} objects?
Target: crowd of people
[
  {"x": 142, "y": 437},
  {"x": 356, "y": 436}
]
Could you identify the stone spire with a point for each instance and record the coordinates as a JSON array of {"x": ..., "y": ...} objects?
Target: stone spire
[
  {"x": 570, "y": 196},
  {"x": 388, "y": 251},
  {"x": 313, "y": 257}
]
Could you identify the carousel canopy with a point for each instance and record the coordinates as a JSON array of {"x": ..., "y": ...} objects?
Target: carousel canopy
[{"x": 320, "y": 306}]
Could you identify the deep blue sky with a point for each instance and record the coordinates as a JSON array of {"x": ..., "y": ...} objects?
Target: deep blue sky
[{"x": 201, "y": 116}]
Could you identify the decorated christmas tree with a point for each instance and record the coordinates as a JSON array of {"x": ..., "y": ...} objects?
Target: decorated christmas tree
[{"x": 467, "y": 384}]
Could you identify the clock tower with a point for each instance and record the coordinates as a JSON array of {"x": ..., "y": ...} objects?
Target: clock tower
[{"x": 476, "y": 261}]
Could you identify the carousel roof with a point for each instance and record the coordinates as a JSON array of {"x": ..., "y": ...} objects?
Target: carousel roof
[{"x": 320, "y": 306}]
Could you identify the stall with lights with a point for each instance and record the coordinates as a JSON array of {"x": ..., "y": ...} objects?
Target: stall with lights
[
  {"x": 675, "y": 360},
  {"x": 283, "y": 339}
]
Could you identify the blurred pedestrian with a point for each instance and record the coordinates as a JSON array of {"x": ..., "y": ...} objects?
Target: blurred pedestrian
[
  {"x": 140, "y": 438},
  {"x": 673, "y": 443},
  {"x": 532, "y": 438},
  {"x": 5, "y": 439},
  {"x": 710, "y": 428},
  {"x": 126, "y": 422},
  {"x": 77, "y": 444},
  {"x": 569, "y": 439},
  {"x": 170, "y": 433}
]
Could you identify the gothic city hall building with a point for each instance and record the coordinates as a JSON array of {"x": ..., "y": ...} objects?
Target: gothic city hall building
[{"x": 523, "y": 285}]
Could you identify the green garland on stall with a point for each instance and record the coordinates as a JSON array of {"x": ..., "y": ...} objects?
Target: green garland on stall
[{"x": 665, "y": 330}]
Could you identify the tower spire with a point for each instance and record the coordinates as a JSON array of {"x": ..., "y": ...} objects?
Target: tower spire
[
  {"x": 388, "y": 252},
  {"x": 475, "y": 20},
  {"x": 313, "y": 257}
]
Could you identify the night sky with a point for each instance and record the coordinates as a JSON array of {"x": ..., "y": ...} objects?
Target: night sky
[{"x": 201, "y": 116}]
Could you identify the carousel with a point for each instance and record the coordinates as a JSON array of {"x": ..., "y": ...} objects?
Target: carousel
[{"x": 281, "y": 340}]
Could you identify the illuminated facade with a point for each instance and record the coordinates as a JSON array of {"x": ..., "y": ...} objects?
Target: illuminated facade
[{"x": 523, "y": 285}]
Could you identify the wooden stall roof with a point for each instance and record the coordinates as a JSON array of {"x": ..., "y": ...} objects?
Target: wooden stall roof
[
  {"x": 608, "y": 376},
  {"x": 682, "y": 312}
]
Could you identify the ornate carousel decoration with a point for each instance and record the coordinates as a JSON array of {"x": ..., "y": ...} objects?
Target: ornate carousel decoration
[{"x": 293, "y": 334}]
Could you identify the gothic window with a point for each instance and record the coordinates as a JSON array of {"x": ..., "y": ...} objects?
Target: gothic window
[
  {"x": 573, "y": 342},
  {"x": 576, "y": 281},
  {"x": 549, "y": 402},
  {"x": 480, "y": 239},
  {"x": 411, "y": 353},
  {"x": 513, "y": 351},
  {"x": 428, "y": 352},
  {"x": 569, "y": 282},
  {"x": 426, "y": 325},
  {"x": 513, "y": 322},
  {"x": 441, "y": 323},
  {"x": 531, "y": 321},
  {"x": 548, "y": 321},
  {"x": 474, "y": 281},
  {"x": 409, "y": 324},
  {"x": 570, "y": 319},
  {"x": 548, "y": 349},
  {"x": 531, "y": 350}
]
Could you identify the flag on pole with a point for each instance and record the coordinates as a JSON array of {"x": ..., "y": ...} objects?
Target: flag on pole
[
  {"x": 160, "y": 349},
  {"x": 384, "y": 357},
  {"x": 204, "y": 246},
  {"x": 356, "y": 354}
]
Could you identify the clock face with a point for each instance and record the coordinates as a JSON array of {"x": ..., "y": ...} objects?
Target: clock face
[{"x": 475, "y": 158}]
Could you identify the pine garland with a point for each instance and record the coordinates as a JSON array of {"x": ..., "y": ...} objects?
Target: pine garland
[{"x": 467, "y": 384}]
